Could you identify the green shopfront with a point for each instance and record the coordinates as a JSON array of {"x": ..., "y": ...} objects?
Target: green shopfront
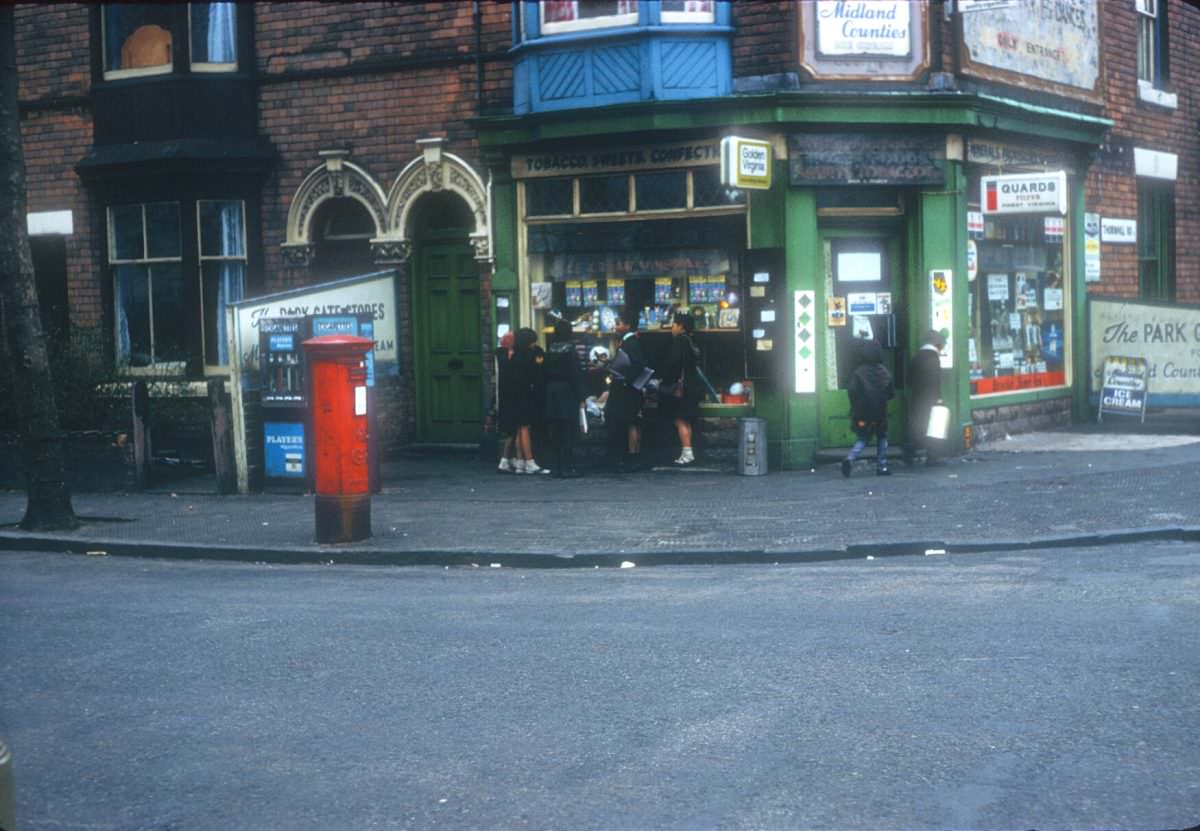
[{"x": 877, "y": 224}]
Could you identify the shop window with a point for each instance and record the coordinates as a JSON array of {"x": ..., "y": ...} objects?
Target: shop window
[
  {"x": 576, "y": 15},
  {"x": 145, "y": 254},
  {"x": 1152, "y": 65},
  {"x": 222, "y": 272},
  {"x": 1156, "y": 242},
  {"x": 604, "y": 194},
  {"x": 548, "y": 197},
  {"x": 661, "y": 191},
  {"x": 138, "y": 38},
  {"x": 708, "y": 192},
  {"x": 1016, "y": 305},
  {"x": 591, "y": 271}
]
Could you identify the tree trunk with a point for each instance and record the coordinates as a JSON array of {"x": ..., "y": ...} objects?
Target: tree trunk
[{"x": 48, "y": 503}]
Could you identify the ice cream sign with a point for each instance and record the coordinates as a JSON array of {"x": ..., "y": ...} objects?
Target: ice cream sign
[{"x": 1026, "y": 193}]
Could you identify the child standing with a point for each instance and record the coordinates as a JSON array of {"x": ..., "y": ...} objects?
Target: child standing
[{"x": 870, "y": 389}]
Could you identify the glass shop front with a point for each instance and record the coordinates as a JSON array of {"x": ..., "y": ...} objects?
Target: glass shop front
[{"x": 658, "y": 242}]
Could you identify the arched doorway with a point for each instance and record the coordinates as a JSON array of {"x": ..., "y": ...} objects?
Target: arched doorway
[{"x": 448, "y": 346}]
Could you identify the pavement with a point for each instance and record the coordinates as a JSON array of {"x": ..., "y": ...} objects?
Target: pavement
[{"x": 1117, "y": 483}]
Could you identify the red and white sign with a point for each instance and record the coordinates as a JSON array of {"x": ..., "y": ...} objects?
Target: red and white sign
[{"x": 1025, "y": 193}]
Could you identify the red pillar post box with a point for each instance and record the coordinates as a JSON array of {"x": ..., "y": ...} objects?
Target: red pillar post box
[{"x": 338, "y": 436}]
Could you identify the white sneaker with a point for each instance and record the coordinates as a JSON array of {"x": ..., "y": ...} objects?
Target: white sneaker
[
  {"x": 506, "y": 465},
  {"x": 685, "y": 457},
  {"x": 532, "y": 467}
]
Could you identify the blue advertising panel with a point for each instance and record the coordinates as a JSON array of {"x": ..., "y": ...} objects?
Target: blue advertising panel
[{"x": 283, "y": 442}]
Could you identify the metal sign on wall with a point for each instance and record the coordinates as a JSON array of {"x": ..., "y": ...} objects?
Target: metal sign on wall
[
  {"x": 879, "y": 28},
  {"x": 857, "y": 159},
  {"x": 1167, "y": 338},
  {"x": 1032, "y": 193},
  {"x": 1052, "y": 46}
]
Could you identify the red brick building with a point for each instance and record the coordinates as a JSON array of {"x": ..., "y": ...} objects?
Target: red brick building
[{"x": 183, "y": 157}]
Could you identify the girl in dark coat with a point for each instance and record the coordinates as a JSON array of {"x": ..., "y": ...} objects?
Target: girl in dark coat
[
  {"x": 565, "y": 396},
  {"x": 526, "y": 371},
  {"x": 506, "y": 403},
  {"x": 870, "y": 389},
  {"x": 680, "y": 390}
]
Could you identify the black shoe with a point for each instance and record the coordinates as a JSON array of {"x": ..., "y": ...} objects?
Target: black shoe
[
  {"x": 882, "y": 471},
  {"x": 846, "y": 468}
]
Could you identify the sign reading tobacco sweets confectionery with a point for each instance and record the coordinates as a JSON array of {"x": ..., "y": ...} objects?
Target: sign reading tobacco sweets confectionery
[
  {"x": 1026, "y": 193},
  {"x": 1052, "y": 45},
  {"x": 863, "y": 27}
]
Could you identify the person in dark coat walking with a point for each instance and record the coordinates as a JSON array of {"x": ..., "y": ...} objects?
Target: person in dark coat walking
[
  {"x": 925, "y": 390},
  {"x": 680, "y": 390},
  {"x": 871, "y": 387},
  {"x": 623, "y": 410},
  {"x": 565, "y": 396}
]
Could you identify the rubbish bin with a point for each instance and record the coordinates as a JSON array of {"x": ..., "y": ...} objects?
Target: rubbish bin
[{"x": 752, "y": 447}]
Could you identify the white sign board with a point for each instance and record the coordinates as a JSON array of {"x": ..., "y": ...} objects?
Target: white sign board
[
  {"x": 373, "y": 293},
  {"x": 1091, "y": 248},
  {"x": 880, "y": 27},
  {"x": 1118, "y": 231},
  {"x": 746, "y": 163},
  {"x": 1025, "y": 193},
  {"x": 941, "y": 311},
  {"x": 1166, "y": 337}
]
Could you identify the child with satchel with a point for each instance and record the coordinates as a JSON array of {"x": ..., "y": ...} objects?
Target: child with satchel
[{"x": 871, "y": 387}]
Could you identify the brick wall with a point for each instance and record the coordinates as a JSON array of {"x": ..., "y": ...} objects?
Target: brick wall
[
  {"x": 764, "y": 34},
  {"x": 1111, "y": 183}
]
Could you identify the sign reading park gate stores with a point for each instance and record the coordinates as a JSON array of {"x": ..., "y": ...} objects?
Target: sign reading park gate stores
[{"x": 1166, "y": 338}]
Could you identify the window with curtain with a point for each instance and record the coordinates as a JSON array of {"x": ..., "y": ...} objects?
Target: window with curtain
[
  {"x": 1152, "y": 65},
  {"x": 137, "y": 39},
  {"x": 222, "y": 271},
  {"x": 145, "y": 254},
  {"x": 573, "y": 15},
  {"x": 214, "y": 36},
  {"x": 1156, "y": 242}
]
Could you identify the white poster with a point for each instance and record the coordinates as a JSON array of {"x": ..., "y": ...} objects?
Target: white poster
[
  {"x": 941, "y": 311},
  {"x": 997, "y": 287},
  {"x": 1052, "y": 299},
  {"x": 1091, "y": 248},
  {"x": 859, "y": 266}
]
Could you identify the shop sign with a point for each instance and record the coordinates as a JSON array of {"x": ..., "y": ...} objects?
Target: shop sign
[
  {"x": 862, "y": 27},
  {"x": 1167, "y": 338},
  {"x": 1032, "y": 193},
  {"x": 1091, "y": 248},
  {"x": 1001, "y": 154},
  {"x": 372, "y": 294},
  {"x": 616, "y": 159},
  {"x": 1052, "y": 45},
  {"x": 1124, "y": 389},
  {"x": 858, "y": 159},
  {"x": 746, "y": 163},
  {"x": 1118, "y": 231}
]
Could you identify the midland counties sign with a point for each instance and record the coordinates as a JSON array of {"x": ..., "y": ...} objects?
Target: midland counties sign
[{"x": 1166, "y": 337}]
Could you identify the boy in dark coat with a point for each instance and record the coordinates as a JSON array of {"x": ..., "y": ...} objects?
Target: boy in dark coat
[
  {"x": 870, "y": 389},
  {"x": 565, "y": 397},
  {"x": 623, "y": 410},
  {"x": 925, "y": 390}
]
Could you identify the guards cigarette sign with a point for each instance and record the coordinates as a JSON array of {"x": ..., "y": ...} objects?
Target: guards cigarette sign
[{"x": 1036, "y": 193}]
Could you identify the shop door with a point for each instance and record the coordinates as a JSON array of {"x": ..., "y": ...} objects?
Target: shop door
[
  {"x": 449, "y": 363},
  {"x": 865, "y": 277}
]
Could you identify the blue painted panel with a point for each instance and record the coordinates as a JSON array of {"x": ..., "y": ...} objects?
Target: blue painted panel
[
  {"x": 561, "y": 75},
  {"x": 615, "y": 69},
  {"x": 283, "y": 442},
  {"x": 689, "y": 64}
]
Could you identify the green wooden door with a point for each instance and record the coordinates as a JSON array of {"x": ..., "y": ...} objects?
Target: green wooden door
[
  {"x": 866, "y": 270},
  {"x": 448, "y": 360}
]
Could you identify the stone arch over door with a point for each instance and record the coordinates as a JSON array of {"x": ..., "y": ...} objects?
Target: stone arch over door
[
  {"x": 334, "y": 178},
  {"x": 435, "y": 171}
]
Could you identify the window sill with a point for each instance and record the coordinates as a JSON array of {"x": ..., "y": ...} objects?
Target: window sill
[{"x": 1149, "y": 94}]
